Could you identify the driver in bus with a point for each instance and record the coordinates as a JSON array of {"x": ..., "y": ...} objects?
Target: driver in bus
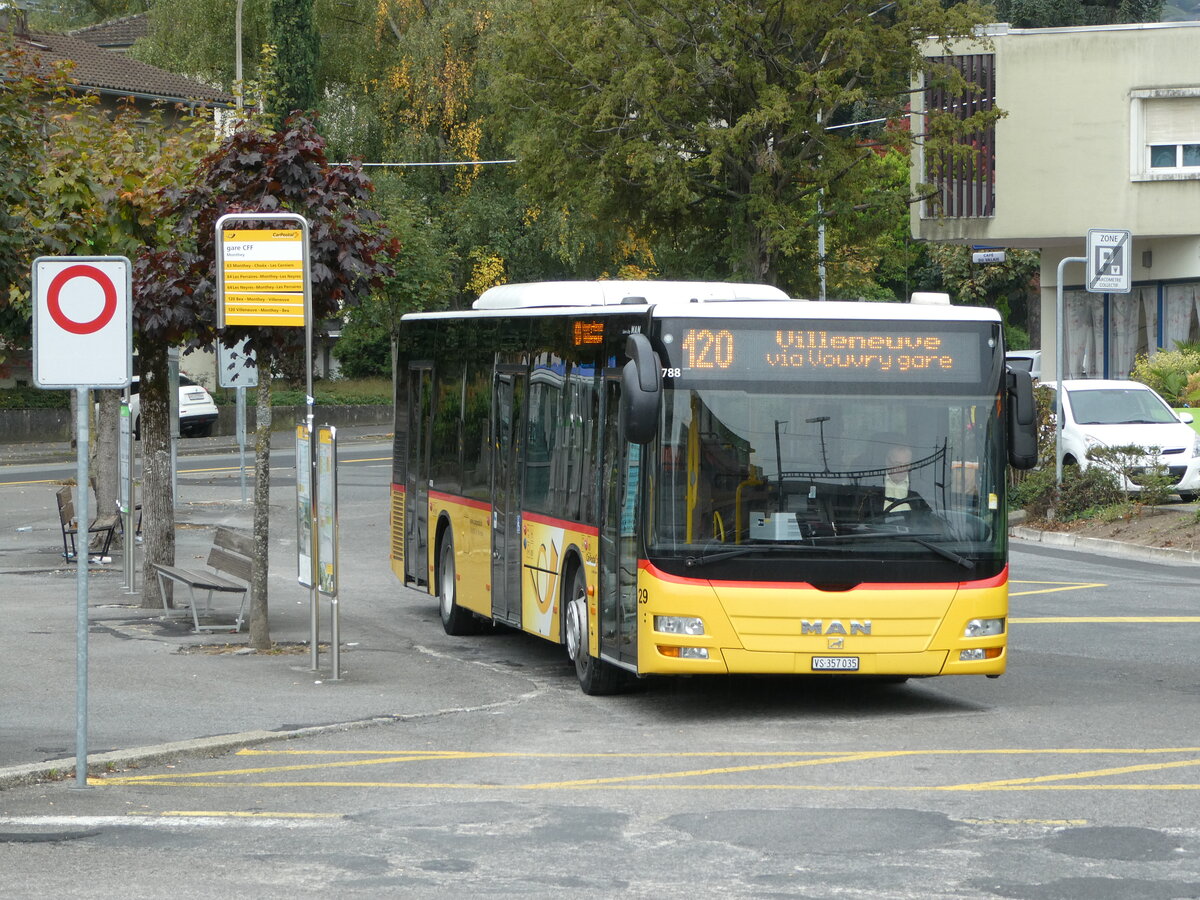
[{"x": 898, "y": 495}]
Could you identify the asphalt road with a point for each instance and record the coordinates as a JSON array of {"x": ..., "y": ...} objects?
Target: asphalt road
[{"x": 1076, "y": 775}]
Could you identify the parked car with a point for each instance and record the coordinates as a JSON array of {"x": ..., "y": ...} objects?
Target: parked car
[
  {"x": 1120, "y": 413},
  {"x": 197, "y": 411},
  {"x": 1027, "y": 361}
]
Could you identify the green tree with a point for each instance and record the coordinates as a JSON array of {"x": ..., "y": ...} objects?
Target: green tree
[
  {"x": 1010, "y": 286},
  {"x": 64, "y": 15},
  {"x": 1057, "y": 13},
  {"x": 663, "y": 116},
  {"x": 297, "y": 45},
  {"x": 24, "y": 118}
]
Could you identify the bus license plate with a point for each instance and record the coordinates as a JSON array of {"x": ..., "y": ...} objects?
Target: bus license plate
[{"x": 835, "y": 663}]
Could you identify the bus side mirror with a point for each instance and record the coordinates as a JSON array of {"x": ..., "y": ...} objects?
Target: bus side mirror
[
  {"x": 641, "y": 391},
  {"x": 1022, "y": 420}
]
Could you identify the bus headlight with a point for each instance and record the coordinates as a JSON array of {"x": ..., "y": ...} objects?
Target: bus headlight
[
  {"x": 679, "y": 625},
  {"x": 977, "y": 628}
]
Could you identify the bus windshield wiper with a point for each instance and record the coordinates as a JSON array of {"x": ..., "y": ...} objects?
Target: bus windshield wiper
[
  {"x": 924, "y": 541},
  {"x": 745, "y": 550}
]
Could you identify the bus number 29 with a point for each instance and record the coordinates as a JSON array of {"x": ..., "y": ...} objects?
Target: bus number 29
[{"x": 706, "y": 349}]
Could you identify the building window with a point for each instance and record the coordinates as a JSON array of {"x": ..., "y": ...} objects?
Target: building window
[
  {"x": 1165, "y": 134},
  {"x": 965, "y": 180}
]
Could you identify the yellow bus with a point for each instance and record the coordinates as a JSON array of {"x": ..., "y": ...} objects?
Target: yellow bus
[{"x": 687, "y": 478}]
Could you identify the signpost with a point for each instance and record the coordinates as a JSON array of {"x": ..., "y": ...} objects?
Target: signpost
[
  {"x": 82, "y": 339},
  {"x": 237, "y": 368},
  {"x": 1109, "y": 254},
  {"x": 262, "y": 278},
  {"x": 327, "y": 537}
]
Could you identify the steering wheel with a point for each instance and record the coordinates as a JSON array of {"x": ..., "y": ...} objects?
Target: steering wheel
[{"x": 914, "y": 503}]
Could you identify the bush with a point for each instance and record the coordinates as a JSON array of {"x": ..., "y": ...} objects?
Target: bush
[
  {"x": 1169, "y": 372},
  {"x": 34, "y": 398},
  {"x": 1035, "y": 493},
  {"x": 1085, "y": 492}
]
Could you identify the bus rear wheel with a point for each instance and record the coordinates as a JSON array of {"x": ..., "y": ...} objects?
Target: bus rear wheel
[
  {"x": 455, "y": 620},
  {"x": 596, "y": 677}
]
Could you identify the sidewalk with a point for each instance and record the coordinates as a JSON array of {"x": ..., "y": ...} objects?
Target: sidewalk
[{"x": 155, "y": 690}]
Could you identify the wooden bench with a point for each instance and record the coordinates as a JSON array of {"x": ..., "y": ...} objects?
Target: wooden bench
[
  {"x": 105, "y": 525},
  {"x": 231, "y": 555}
]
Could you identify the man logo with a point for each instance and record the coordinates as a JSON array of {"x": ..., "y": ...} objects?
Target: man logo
[
  {"x": 817, "y": 626},
  {"x": 837, "y": 643}
]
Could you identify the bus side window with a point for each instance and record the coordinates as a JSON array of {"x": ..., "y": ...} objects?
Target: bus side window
[{"x": 540, "y": 446}]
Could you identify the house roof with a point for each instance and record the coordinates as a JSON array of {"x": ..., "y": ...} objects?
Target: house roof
[
  {"x": 117, "y": 34},
  {"x": 115, "y": 74}
]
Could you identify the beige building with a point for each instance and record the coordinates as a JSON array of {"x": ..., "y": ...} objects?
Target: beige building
[{"x": 1102, "y": 131}]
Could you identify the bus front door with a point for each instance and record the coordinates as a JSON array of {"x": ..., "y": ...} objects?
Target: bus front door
[
  {"x": 416, "y": 494},
  {"x": 619, "y": 536},
  {"x": 507, "y": 450}
]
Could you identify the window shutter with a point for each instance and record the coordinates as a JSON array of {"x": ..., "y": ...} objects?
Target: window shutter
[{"x": 1172, "y": 120}]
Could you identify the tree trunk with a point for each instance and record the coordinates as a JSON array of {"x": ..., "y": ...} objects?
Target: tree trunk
[
  {"x": 158, "y": 502},
  {"x": 260, "y": 630},
  {"x": 104, "y": 458}
]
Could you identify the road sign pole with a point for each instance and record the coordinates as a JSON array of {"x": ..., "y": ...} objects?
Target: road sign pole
[
  {"x": 241, "y": 438},
  {"x": 1060, "y": 364},
  {"x": 82, "y": 552}
]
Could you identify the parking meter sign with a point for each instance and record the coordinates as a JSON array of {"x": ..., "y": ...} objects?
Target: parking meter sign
[
  {"x": 82, "y": 322},
  {"x": 1109, "y": 253}
]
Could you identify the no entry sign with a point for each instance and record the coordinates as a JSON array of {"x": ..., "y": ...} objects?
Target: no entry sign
[{"x": 81, "y": 321}]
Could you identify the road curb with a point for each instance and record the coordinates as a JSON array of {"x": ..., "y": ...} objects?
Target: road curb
[{"x": 1106, "y": 547}]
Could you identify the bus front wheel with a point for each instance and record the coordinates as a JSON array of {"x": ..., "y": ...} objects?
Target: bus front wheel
[
  {"x": 455, "y": 619},
  {"x": 595, "y": 675}
]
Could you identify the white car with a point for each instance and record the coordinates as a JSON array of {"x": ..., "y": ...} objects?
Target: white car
[
  {"x": 197, "y": 411},
  {"x": 1025, "y": 361},
  {"x": 1120, "y": 413}
]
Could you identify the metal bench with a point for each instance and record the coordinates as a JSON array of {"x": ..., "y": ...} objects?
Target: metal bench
[
  {"x": 231, "y": 555},
  {"x": 104, "y": 524}
]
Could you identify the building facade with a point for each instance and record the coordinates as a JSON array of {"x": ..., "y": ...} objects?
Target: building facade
[{"x": 1101, "y": 130}]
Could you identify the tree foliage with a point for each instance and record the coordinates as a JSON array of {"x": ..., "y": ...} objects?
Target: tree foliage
[
  {"x": 24, "y": 118},
  {"x": 252, "y": 171},
  {"x": 297, "y": 46},
  {"x": 712, "y": 120},
  {"x": 1058, "y": 13}
]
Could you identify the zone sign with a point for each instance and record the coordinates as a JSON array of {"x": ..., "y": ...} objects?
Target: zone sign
[{"x": 82, "y": 321}]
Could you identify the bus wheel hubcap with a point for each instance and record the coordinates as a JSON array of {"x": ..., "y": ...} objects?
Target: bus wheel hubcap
[{"x": 574, "y": 628}]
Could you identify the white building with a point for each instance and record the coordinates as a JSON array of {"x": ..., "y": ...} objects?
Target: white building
[{"x": 1102, "y": 131}]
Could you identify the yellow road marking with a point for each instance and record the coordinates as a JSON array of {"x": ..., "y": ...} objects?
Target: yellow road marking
[
  {"x": 771, "y": 761},
  {"x": 1065, "y": 776},
  {"x": 695, "y": 773},
  {"x": 1057, "y": 586}
]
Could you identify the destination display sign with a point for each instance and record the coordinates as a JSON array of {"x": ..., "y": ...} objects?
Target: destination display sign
[{"x": 836, "y": 351}]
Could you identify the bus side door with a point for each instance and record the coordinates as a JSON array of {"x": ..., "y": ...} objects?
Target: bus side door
[
  {"x": 416, "y": 503},
  {"x": 508, "y": 418}
]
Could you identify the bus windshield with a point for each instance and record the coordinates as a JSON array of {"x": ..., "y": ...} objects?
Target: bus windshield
[{"x": 839, "y": 470}]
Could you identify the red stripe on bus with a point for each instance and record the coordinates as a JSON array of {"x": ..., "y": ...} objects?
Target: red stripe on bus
[
  {"x": 560, "y": 523},
  {"x": 997, "y": 581},
  {"x": 461, "y": 501}
]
